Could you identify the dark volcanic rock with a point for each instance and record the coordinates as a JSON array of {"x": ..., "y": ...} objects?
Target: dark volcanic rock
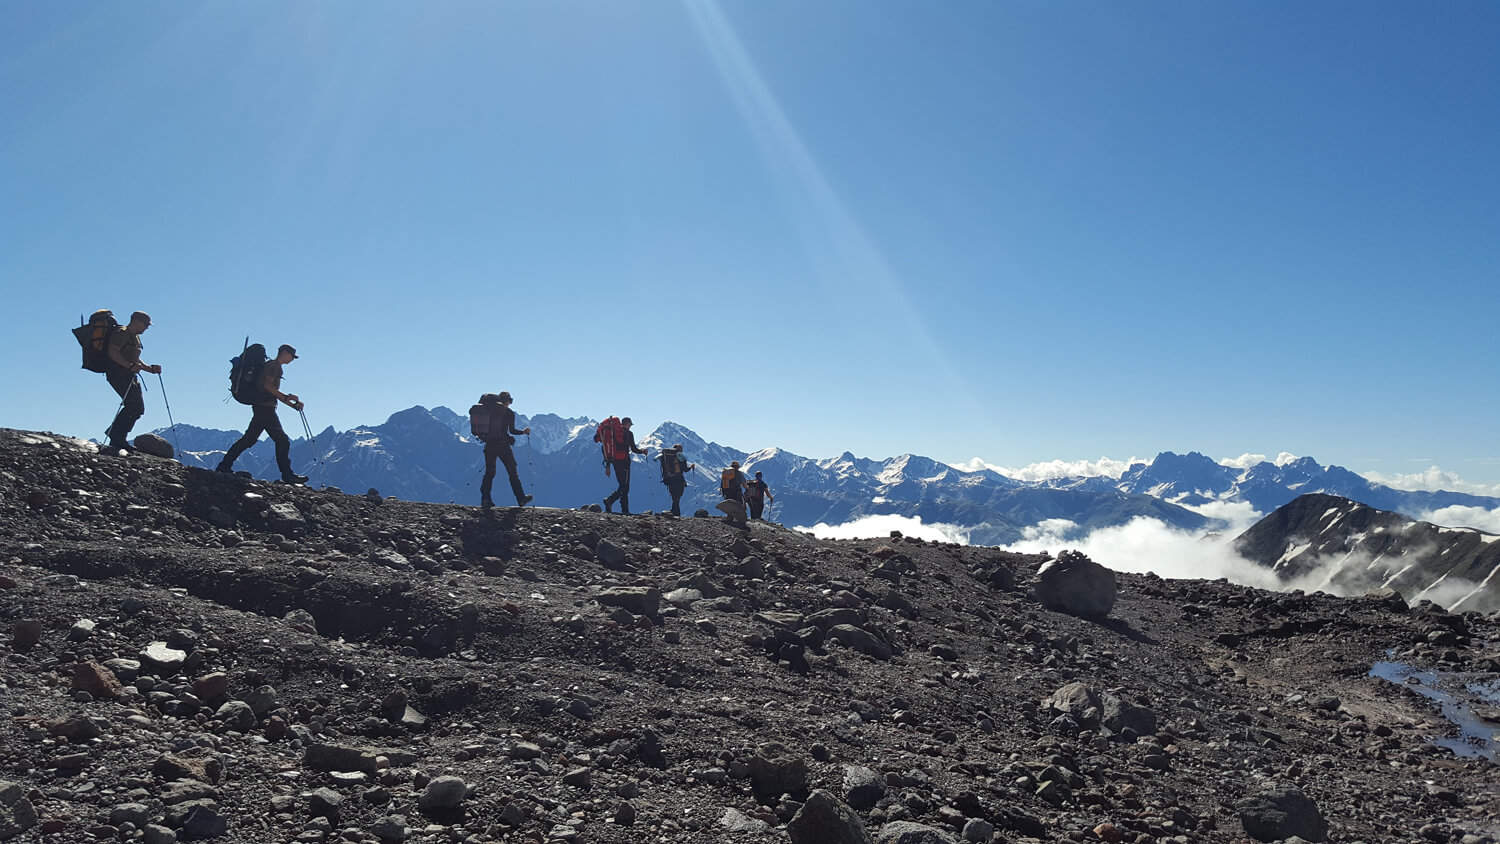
[
  {"x": 824, "y": 820},
  {"x": 437, "y": 672},
  {"x": 1075, "y": 584},
  {"x": 1281, "y": 812}
]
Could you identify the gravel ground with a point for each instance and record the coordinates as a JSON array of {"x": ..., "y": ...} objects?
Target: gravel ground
[{"x": 199, "y": 656}]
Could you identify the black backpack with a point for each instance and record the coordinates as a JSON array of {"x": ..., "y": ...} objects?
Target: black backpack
[
  {"x": 94, "y": 336},
  {"x": 482, "y": 417},
  {"x": 245, "y": 374},
  {"x": 671, "y": 466}
]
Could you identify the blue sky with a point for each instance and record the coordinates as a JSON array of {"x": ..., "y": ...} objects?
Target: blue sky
[{"x": 1016, "y": 231}]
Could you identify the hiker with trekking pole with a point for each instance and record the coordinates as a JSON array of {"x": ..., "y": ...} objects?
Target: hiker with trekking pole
[
  {"x": 256, "y": 381},
  {"x": 757, "y": 492},
  {"x": 121, "y": 362},
  {"x": 617, "y": 442},
  {"x": 493, "y": 423},
  {"x": 674, "y": 469}
]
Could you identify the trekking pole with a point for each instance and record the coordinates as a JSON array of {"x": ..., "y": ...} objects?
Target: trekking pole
[
  {"x": 531, "y": 469},
  {"x": 311, "y": 440},
  {"x": 173, "y": 422}
]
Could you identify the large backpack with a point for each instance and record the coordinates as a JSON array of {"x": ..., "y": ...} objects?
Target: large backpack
[
  {"x": 726, "y": 480},
  {"x": 94, "y": 336},
  {"x": 610, "y": 435},
  {"x": 245, "y": 374},
  {"x": 482, "y": 417},
  {"x": 671, "y": 465}
]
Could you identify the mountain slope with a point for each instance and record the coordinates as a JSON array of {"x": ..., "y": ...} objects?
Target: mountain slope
[{"x": 1328, "y": 542}]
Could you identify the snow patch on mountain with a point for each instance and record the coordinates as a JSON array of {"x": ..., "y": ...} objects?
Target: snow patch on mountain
[{"x": 1246, "y": 460}]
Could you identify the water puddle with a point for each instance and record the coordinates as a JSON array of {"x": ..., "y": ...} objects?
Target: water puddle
[{"x": 1458, "y": 696}]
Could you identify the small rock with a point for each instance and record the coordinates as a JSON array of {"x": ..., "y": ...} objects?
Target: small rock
[
  {"x": 97, "y": 680},
  {"x": 775, "y": 771},
  {"x": 236, "y": 716},
  {"x": 443, "y": 793}
]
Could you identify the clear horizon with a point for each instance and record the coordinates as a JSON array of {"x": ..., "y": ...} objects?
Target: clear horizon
[{"x": 1018, "y": 233}]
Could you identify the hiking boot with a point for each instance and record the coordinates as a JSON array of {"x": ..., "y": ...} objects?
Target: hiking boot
[
  {"x": 523, "y": 500},
  {"x": 122, "y": 446},
  {"x": 609, "y": 506},
  {"x": 225, "y": 468},
  {"x": 293, "y": 478},
  {"x": 486, "y": 503}
]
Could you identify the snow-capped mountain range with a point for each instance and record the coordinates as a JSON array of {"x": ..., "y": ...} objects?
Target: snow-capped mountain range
[
  {"x": 1194, "y": 480},
  {"x": 427, "y": 455}
]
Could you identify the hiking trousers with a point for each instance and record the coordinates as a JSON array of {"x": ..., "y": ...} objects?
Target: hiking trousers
[
  {"x": 132, "y": 404},
  {"x": 757, "y": 506},
  {"x": 622, "y": 495},
  {"x": 263, "y": 421},
  {"x": 502, "y": 450},
  {"x": 676, "y": 487}
]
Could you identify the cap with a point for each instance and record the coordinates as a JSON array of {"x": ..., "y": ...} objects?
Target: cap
[
  {"x": 504, "y": 395},
  {"x": 757, "y": 474},
  {"x": 734, "y": 464},
  {"x": 142, "y": 316},
  {"x": 625, "y": 421},
  {"x": 286, "y": 347}
]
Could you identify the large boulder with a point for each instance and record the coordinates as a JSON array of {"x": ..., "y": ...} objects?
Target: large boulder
[
  {"x": 1281, "y": 812},
  {"x": 155, "y": 446},
  {"x": 1076, "y": 585},
  {"x": 825, "y": 820}
]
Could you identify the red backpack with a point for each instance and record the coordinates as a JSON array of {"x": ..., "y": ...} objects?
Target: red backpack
[{"x": 610, "y": 435}]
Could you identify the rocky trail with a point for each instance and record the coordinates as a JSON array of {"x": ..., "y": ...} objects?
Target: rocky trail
[{"x": 194, "y": 656}]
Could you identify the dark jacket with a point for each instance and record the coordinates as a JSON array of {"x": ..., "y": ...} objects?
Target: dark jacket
[
  {"x": 506, "y": 418},
  {"x": 629, "y": 443}
]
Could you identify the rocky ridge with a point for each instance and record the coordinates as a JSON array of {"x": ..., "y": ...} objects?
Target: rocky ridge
[
  {"x": 1329, "y": 542},
  {"x": 200, "y": 656}
]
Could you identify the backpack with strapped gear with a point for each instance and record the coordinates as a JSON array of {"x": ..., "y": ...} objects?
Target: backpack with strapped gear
[
  {"x": 483, "y": 418},
  {"x": 245, "y": 374},
  {"x": 671, "y": 466},
  {"x": 610, "y": 435},
  {"x": 726, "y": 481},
  {"x": 94, "y": 336}
]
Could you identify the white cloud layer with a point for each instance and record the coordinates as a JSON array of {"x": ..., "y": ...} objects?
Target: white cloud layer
[
  {"x": 1432, "y": 480},
  {"x": 875, "y": 527},
  {"x": 1103, "y": 467},
  {"x": 1150, "y": 545},
  {"x": 1470, "y": 517}
]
